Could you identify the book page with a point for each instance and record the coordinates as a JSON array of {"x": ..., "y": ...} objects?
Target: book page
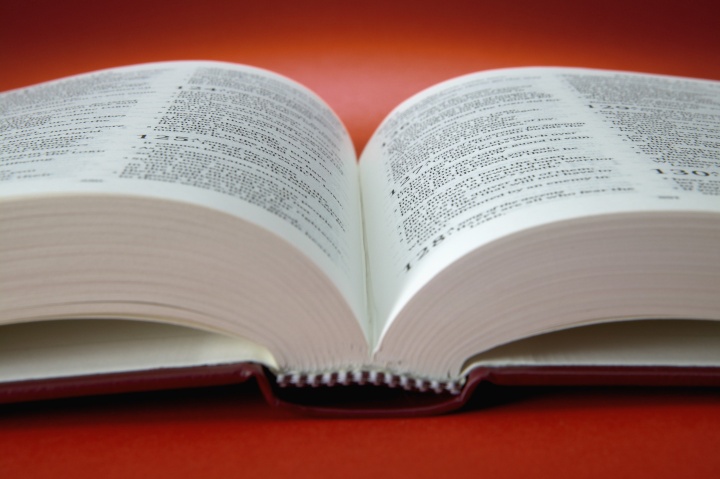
[
  {"x": 237, "y": 139},
  {"x": 487, "y": 155},
  {"x": 669, "y": 343},
  {"x": 69, "y": 348}
]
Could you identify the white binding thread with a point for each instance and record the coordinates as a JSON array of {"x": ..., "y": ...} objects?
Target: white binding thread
[{"x": 377, "y": 378}]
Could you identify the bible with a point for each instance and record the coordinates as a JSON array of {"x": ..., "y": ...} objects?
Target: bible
[{"x": 186, "y": 223}]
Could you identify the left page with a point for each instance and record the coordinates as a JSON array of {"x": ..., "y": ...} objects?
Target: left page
[{"x": 223, "y": 138}]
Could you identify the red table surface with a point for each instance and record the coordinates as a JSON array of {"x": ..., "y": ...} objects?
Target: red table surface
[{"x": 364, "y": 58}]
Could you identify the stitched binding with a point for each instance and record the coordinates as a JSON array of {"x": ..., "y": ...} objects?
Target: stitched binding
[{"x": 377, "y": 378}]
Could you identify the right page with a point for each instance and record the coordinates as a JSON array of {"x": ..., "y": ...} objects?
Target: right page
[{"x": 491, "y": 155}]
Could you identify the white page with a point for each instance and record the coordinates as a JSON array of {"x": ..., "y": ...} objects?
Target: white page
[
  {"x": 237, "y": 139},
  {"x": 486, "y": 155},
  {"x": 69, "y": 348}
]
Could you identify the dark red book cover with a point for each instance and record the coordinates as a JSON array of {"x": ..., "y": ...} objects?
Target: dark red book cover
[{"x": 371, "y": 400}]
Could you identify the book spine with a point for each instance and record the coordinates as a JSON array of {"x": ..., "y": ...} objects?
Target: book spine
[{"x": 377, "y": 378}]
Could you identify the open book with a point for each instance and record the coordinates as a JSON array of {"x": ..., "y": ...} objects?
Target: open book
[{"x": 200, "y": 214}]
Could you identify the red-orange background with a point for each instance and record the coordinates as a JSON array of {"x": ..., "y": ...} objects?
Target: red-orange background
[{"x": 363, "y": 58}]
